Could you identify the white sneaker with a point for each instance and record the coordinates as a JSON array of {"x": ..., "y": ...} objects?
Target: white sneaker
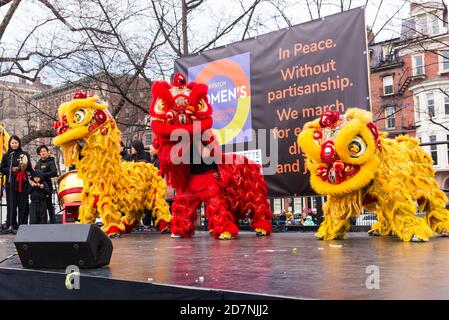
[
  {"x": 175, "y": 236},
  {"x": 417, "y": 239}
]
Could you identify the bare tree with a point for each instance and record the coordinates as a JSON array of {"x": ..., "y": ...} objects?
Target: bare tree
[{"x": 177, "y": 34}]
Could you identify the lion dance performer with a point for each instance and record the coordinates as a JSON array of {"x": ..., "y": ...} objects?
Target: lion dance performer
[
  {"x": 229, "y": 185},
  {"x": 356, "y": 167},
  {"x": 118, "y": 191}
]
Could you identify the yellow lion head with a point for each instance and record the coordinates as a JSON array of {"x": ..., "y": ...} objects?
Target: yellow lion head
[
  {"x": 342, "y": 151},
  {"x": 79, "y": 119}
]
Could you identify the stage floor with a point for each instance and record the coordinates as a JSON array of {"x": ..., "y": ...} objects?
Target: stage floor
[{"x": 292, "y": 264}]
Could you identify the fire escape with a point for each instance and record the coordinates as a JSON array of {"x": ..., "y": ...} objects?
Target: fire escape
[{"x": 405, "y": 79}]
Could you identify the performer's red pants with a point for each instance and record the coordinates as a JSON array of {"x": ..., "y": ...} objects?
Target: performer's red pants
[{"x": 205, "y": 188}]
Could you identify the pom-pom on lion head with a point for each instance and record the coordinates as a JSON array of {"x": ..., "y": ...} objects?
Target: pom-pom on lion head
[{"x": 342, "y": 151}]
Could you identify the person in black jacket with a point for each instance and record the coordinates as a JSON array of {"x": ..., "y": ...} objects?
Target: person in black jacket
[
  {"x": 17, "y": 186},
  {"x": 46, "y": 167},
  {"x": 38, "y": 195},
  {"x": 138, "y": 153}
]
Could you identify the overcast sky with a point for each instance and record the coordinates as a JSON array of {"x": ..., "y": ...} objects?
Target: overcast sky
[{"x": 30, "y": 12}]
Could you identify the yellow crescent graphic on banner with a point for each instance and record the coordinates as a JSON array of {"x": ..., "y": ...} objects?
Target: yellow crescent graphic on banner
[
  {"x": 234, "y": 72},
  {"x": 234, "y": 127}
]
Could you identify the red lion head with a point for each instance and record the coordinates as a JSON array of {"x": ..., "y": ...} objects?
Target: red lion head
[{"x": 179, "y": 105}]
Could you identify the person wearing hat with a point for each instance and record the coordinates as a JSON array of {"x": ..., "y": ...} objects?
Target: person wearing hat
[{"x": 38, "y": 196}]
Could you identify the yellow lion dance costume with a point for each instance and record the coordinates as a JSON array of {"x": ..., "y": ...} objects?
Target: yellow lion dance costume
[
  {"x": 356, "y": 167},
  {"x": 112, "y": 187}
]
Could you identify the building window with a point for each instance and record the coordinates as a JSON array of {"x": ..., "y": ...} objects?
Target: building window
[
  {"x": 444, "y": 57},
  {"x": 277, "y": 205},
  {"x": 421, "y": 25},
  {"x": 433, "y": 150},
  {"x": 430, "y": 105},
  {"x": 418, "y": 65},
  {"x": 435, "y": 23},
  {"x": 417, "y": 108},
  {"x": 447, "y": 139},
  {"x": 446, "y": 102},
  {"x": 389, "y": 117},
  {"x": 427, "y": 24},
  {"x": 387, "y": 53},
  {"x": 388, "y": 85}
]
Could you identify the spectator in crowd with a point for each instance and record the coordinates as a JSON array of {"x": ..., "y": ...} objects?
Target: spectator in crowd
[
  {"x": 46, "y": 167},
  {"x": 38, "y": 195},
  {"x": 282, "y": 217},
  {"x": 154, "y": 157},
  {"x": 308, "y": 222},
  {"x": 17, "y": 186},
  {"x": 138, "y": 154},
  {"x": 306, "y": 218},
  {"x": 283, "y": 221},
  {"x": 289, "y": 217},
  {"x": 123, "y": 152},
  {"x": 170, "y": 191},
  {"x": 304, "y": 215}
]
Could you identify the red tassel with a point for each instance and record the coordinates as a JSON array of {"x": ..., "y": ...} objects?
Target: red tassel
[{"x": 20, "y": 178}]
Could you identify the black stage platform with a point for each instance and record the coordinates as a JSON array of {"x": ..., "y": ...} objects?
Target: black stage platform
[{"x": 286, "y": 265}]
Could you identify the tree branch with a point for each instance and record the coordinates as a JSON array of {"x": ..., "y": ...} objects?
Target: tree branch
[{"x": 8, "y": 16}]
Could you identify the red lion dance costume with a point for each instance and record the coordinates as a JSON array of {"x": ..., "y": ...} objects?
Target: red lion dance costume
[{"x": 230, "y": 188}]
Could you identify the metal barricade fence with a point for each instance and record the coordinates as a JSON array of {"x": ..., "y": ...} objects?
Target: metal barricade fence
[{"x": 55, "y": 202}]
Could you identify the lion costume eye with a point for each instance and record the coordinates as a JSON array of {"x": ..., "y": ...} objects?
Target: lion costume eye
[
  {"x": 355, "y": 143},
  {"x": 356, "y": 147},
  {"x": 79, "y": 116}
]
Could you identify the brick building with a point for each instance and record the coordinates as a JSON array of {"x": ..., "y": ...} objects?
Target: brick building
[
  {"x": 392, "y": 106},
  {"x": 410, "y": 81},
  {"x": 17, "y": 112}
]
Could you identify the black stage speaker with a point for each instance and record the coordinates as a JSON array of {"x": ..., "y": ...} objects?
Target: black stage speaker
[{"x": 60, "y": 245}]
